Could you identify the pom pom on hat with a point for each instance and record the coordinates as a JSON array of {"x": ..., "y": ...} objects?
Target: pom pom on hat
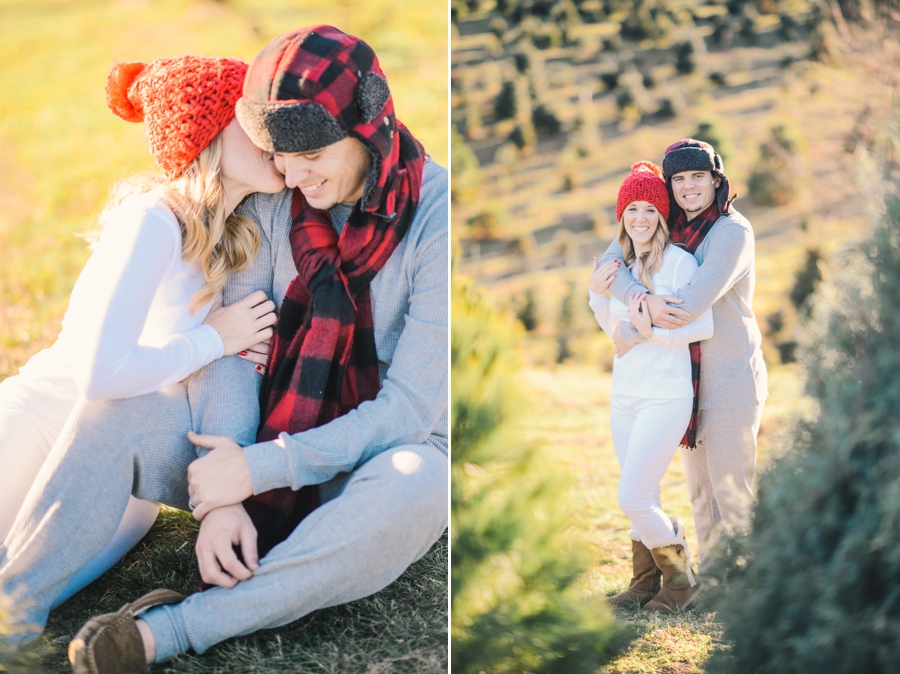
[
  {"x": 184, "y": 101},
  {"x": 644, "y": 184},
  {"x": 121, "y": 77},
  {"x": 647, "y": 166}
]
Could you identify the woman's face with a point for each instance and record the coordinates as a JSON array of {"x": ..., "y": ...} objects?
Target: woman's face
[
  {"x": 246, "y": 168},
  {"x": 641, "y": 220}
]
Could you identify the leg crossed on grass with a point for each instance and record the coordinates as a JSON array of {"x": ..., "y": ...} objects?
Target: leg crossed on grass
[
  {"x": 107, "y": 451},
  {"x": 373, "y": 523}
]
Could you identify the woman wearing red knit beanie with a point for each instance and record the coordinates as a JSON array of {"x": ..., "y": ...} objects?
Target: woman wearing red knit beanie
[
  {"x": 142, "y": 315},
  {"x": 652, "y": 393}
]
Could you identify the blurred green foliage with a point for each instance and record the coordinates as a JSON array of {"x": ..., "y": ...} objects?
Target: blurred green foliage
[
  {"x": 22, "y": 660},
  {"x": 513, "y": 564},
  {"x": 814, "y": 585},
  {"x": 775, "y": 177}
]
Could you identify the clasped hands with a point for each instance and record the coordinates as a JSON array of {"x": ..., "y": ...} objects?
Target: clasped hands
[
  {"x": 645, "y": 311},
  {"x": 218, "y": 483}
]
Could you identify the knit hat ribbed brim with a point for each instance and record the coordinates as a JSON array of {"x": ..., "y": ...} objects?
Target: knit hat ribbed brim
[
  {"x": 645, "y": 183},
  {"x": 184, "y": 102}
]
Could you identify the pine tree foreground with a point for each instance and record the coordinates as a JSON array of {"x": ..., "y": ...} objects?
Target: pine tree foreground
[
  {"x": 513, "y": 564},
  {"x": 816, "y": 584}
]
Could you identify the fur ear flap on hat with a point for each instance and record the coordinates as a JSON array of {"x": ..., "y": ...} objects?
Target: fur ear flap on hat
[
  {"x": 118, "y": 82},
  {"x": 371, "y": 94}
]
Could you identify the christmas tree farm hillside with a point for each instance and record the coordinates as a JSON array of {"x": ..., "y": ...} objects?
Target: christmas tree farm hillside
[{"x": 816, "y": 587}]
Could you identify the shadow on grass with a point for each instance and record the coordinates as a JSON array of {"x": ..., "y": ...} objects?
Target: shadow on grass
[{"x": 403, "y": 628}]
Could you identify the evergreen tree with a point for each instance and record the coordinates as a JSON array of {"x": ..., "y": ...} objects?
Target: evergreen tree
[
  {"x": 775, "y": 177},
  {"x": 527, "y": 314},
  {"x": 513, "y": 561},
  {"x": 814, "y": 587}
]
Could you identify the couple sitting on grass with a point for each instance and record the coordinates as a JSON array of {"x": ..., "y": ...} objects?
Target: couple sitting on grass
[
  {"x": 688, "y": 369},
  {"x": 311, "y": 448}
]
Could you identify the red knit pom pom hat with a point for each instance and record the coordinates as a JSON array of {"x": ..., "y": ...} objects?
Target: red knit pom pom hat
[
  {"x": 184, "y": 101},
  {"x": 644, "y": 184}
]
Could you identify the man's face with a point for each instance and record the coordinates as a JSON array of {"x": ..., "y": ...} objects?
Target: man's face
[
  {"x": 694, "y": 190},
  {"x": 332, "y": 175}
]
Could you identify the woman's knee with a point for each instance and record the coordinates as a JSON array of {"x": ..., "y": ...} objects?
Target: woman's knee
[{"x": 635, "y": 501}]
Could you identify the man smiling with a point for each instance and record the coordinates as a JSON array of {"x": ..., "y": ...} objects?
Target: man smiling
[
  {"x": 352, "y": 414},
  {"x": 329, "y": 477},
  {"x": 719, "y": 450}
]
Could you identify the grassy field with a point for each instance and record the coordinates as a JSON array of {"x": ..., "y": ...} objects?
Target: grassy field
[
  {"x": 61, "y": 149},
  {"x": 574, "y": 426}
]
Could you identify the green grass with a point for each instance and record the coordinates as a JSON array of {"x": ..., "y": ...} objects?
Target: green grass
[
  {"x": 403, "y": 628},
  {"x": 61, "y": 149},
  {"x": 573, "y": 429}
]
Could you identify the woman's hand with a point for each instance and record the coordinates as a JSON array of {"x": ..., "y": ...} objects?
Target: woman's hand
[
  {"x": 259, "y": 354},
  {"x": 640, "y": 315},
  {"x": 244, "y": 324},
  {"x": 602, "y": 277}
]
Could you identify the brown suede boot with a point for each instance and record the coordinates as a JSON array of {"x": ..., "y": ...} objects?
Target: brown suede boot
[
  {"x": 674, "y": 560},
  {"x": 111, "y": 643},
  {"x": 645, "y": 581}
]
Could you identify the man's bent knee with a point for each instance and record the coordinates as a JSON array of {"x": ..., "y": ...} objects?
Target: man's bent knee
[{"x": 417, "y": 476}]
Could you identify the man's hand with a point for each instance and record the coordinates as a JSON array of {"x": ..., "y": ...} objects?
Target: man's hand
[
  {"x": 621, "y": 347},
  {"x": 221, "y": 529},
  {"x": 664, "y": 316},
  {"x": 220, "y": 478}
]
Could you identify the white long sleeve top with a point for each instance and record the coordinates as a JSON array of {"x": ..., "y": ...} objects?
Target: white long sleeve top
[
  {"x": 661, "y": 366},
  {"x": 129, "y": 329}
]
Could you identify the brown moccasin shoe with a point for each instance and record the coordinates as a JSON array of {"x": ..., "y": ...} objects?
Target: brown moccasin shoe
[{"x": 111, "y": 643}]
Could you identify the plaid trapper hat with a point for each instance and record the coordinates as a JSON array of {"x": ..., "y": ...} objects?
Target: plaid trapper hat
[{"x": 316, "y": 86}]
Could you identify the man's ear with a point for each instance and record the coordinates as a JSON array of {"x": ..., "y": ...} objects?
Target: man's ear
[{"x": 371, "y": 95}]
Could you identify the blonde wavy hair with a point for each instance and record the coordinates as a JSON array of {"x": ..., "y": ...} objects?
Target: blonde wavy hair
[
  {"x": 220, "y": 244},
  {"x": 650, "y": 262}
]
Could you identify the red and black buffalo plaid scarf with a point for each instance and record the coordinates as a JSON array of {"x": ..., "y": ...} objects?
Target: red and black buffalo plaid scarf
[
  {"x": 323, "y": 362},
  {"x": 689, "y": 234}
]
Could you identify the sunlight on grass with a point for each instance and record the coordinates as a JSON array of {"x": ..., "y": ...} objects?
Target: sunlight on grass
[{"x": 61, "y": 149}]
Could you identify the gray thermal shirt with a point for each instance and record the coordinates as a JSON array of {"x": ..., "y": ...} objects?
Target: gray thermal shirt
[{"x": 410, "y": 317}]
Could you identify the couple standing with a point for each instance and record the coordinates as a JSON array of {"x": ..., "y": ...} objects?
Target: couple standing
[
  {"x": 318, "y": 482},
  {"x": 688, "y": 369}
]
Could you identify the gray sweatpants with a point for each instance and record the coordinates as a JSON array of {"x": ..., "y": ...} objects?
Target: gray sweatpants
[
  {"x": 377, "y": 520},
  {"x": 720, "y": 473}
]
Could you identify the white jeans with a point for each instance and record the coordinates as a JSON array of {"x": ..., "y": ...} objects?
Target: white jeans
[
  {"x": 32, "y": 416},
  {"x": 646, "y": 433}
]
